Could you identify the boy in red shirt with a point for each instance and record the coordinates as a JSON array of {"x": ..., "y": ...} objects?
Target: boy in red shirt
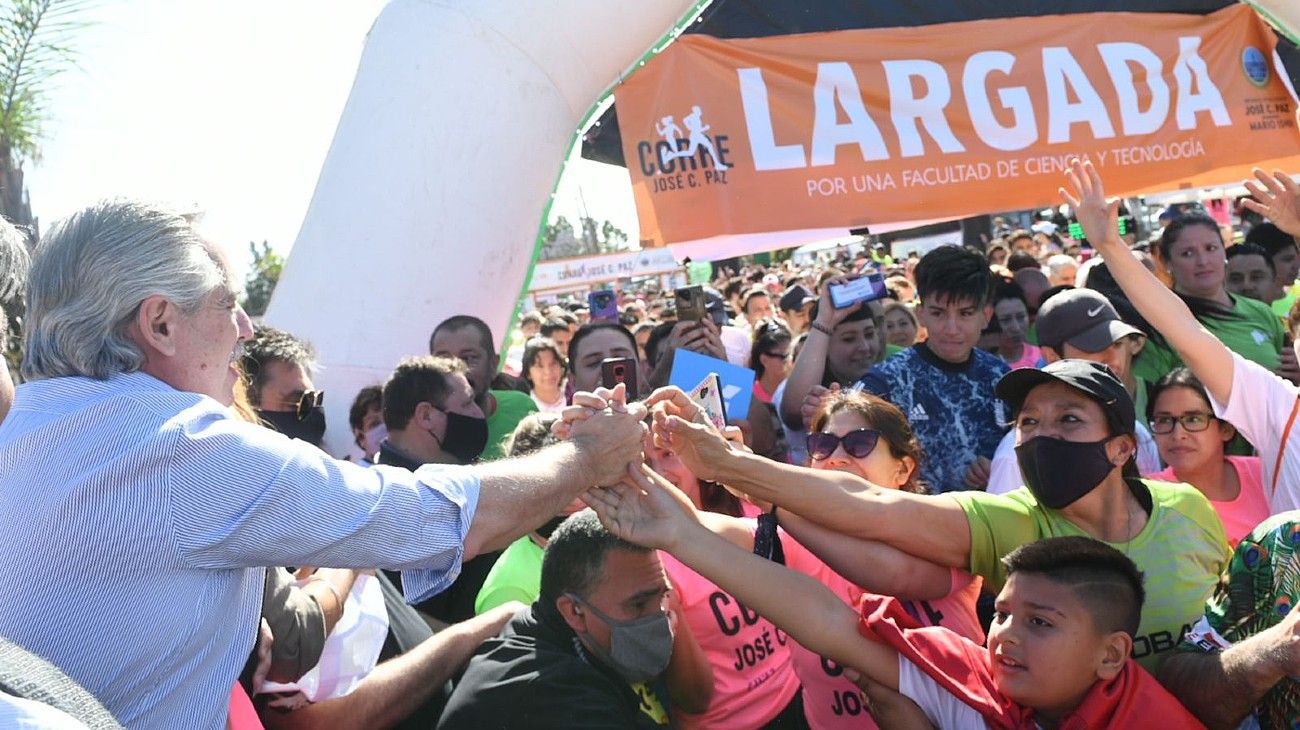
[{"x": 1057, "y": 653}]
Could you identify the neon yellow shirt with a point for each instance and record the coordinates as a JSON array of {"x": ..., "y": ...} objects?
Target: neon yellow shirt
[
  {"x": 515, "y": 576},
  {"x": 1181, "y": 552}
]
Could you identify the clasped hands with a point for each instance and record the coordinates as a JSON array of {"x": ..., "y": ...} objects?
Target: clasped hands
[{"x": 638, "y": 504}]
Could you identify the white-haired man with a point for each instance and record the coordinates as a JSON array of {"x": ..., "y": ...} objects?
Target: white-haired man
[{"x": 134, "y": 508}]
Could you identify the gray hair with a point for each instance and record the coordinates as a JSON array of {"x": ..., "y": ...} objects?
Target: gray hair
[{"x": 91, "y": 273}]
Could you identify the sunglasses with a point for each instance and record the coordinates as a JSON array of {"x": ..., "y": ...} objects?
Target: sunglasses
[
  {"x": 310, "y": 400},
  {"x": 858, "y": 443}
]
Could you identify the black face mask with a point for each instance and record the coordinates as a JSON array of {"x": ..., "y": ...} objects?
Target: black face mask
[
  {"x": 1059, "y": 472},
  {"x": 310, "y": 429},
  {"x": 466, "y": 437}
]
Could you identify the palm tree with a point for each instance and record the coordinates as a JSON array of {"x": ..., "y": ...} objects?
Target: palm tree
[{"x": 35, "y": 46}]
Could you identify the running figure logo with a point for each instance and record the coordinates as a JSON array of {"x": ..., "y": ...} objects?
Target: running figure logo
[{"x": 668, "y": 129}]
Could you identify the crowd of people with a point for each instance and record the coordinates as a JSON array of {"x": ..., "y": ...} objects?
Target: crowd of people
[{"x": 1042, "y": 483}]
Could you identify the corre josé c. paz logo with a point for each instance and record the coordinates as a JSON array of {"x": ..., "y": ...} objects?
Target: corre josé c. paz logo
[{"x": 684, "y": 158}]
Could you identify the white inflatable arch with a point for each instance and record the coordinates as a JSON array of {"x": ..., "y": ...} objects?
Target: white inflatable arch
[{"x": 441, "y": 169}]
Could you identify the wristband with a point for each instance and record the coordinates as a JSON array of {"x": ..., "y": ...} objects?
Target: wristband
[{"x": 821, "y": 328}]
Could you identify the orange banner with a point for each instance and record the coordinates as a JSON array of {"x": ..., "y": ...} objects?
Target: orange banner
[{"x": 850, "y": 128}]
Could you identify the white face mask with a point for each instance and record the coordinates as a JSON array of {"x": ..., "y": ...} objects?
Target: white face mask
[{"x": 372, "y": 438}]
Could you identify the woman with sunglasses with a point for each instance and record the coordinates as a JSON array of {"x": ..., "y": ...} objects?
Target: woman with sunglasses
[
  {"x": 869, "y": 437},
  {"x": 1191, "y": 441}
]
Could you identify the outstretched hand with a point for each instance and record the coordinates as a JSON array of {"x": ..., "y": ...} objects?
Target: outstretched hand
[
  {"x": 644, "y": 509},
  {"x": 702, "y": 449},
  {"x": 1098, "y": 216},
  {"x": 1277, "y": 198}
]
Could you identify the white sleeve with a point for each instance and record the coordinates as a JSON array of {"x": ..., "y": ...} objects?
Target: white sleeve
[
  {"x": 1148, "y": 455},
  {"x": 1004, "y": 475},
  {"x": 940, "y": 707},
  {"x": 1259, "y": 405}
]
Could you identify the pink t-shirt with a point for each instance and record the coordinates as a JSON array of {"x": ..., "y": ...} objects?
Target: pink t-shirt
[
  {"x": 1250, "y": 508},
  {"x": 753, "y": 676},
  {"x": 831, "y": 702},
  {"x": 1029, "y": 358}
]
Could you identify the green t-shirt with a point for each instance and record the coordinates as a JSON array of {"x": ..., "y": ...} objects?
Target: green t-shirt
[
  {"x": 1282, "y": 307},
  {"x": 1258, "y": 591},
  {"x": 891, "y": 350},
  {"x": 512, "y": 407},
  {"x": 1181, "y": 551},
  {"x": 516, "y": 576},
  {"x": 1255, "y": 333}
]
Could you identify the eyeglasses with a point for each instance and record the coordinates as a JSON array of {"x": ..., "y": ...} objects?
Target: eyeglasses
[
  {"x": 310, "y": 400},
  {"x": 858, "y": 443},
  {"x": 1192, "y": 423}
]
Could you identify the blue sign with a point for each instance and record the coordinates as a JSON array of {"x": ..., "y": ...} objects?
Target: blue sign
[{"x": 689, "y": 368}]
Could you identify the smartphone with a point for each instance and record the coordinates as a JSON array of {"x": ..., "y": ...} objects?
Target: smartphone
[
  {"x": 708, "y": 396},
  {"x": 603, "y": 305},
  {"x": 691, "y": 306},
  {"x": 865, "y": 288},
  {"x": 615, "y": 370}
]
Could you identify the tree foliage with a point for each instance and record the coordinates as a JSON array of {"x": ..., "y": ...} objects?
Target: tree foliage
[
  {"x": 36, "y": 44},
  {"x": 263, "y": 275},
  {"x": 561, "y": 240}
]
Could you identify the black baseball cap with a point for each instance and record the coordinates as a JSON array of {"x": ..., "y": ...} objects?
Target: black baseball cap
[
  {"x": 795, "y": 297},
  {"x": 1093, "y": 378},
  {"x": 1082, "y": 317}
]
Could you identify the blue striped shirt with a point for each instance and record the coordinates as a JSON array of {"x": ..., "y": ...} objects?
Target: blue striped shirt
[{"x": 132, "y": 519}]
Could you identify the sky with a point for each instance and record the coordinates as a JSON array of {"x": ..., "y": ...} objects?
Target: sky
[{"x": 226, "y": 107}]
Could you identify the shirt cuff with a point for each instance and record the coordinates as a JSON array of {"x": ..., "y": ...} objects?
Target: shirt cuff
[{"x": 460, "y": 486}]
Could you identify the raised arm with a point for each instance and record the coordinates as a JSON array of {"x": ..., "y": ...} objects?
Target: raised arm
[
  {"x": 1277, "y": 197},
  {"x": 811, "y": 363},
  {"x": 649, "y": 511},
  {"x": 1204, "y": 354}
]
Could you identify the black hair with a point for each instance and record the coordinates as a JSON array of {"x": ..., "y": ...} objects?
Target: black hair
[
  {"x": 955, "y": 273},
  {"x": 270, "y": 345},
  {"x": 1270, "y": 238},
  {"x": 574, "y": 561},
  {"x": 462, "y": 321},
  {"x": 1252, "y": 249},
  {"x": 656, "y": 339},
  {"x": 575, "y": 345},
  {"x": 553, "y": 325},
  {"x": 767, "y": 334},
  {"x": 1005, "y": 289},
  {"x": 1105, "y": 580},
  {"x": 533, "y": 433},
  {"x": 371, "y": 396},
  {"x": 418, "y": 380},
  {"x": 1180, "y": 377},
  {"x": 533, "y": 350},
  {"x": 1100, "y": 280},
  {"x": 1051, "y": 292},
  {"x": 1021, "y": 260}
]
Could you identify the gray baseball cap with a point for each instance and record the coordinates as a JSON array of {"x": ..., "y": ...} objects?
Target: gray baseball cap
[{"x": 1082, "y": 317}]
